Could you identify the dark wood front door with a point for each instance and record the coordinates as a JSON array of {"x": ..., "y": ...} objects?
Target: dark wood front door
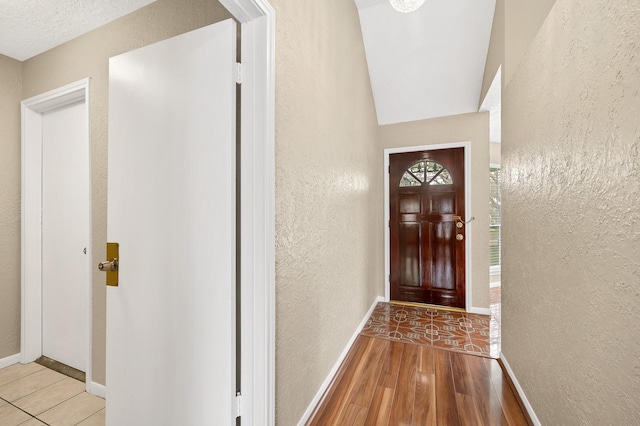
[{"x": 427, "y": 229}]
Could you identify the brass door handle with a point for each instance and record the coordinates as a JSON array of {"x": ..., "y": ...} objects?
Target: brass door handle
[
  {"x": 109, "y": 265},
  {"x": 461, "y": 222},
  {"x": 459, "y": 237}
]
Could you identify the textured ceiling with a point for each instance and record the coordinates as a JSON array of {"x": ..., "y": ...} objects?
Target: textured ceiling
[
  {"x": 30, "y": 27},
  {"x": 429, "y": 63}
]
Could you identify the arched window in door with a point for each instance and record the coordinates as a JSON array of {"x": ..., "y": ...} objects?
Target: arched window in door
[{"x": 426, "y": 172}]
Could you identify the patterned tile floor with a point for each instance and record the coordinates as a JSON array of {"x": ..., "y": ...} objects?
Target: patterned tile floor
[{"x": 456, "y": 331}]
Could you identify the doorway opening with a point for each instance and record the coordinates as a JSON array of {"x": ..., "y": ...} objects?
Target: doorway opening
[{"x": 492, "y": 104}]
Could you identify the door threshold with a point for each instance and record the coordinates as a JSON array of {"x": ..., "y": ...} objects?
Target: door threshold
[
  {"x": 61, "y": 368},
  {"x": 427, "y": 305}
]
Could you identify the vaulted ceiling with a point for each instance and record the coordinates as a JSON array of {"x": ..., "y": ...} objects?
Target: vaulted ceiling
[{"x": 428, "y": 63}]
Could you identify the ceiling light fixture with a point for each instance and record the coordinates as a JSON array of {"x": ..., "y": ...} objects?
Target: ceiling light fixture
[{"x": 406, "y": 6}]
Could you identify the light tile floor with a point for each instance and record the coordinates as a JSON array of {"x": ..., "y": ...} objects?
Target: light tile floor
[
  {"x": 444, "y": 329},
  {"x": 33, "y": 395}
]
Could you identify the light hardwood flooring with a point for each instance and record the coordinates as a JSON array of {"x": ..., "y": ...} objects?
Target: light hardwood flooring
[
  {"x": 384, "y": 382},
  {"x": 33, "y": 395}
]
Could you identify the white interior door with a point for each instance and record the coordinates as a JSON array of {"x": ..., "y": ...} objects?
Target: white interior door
[
  {"x": 65, "y": 235},
  {"x": 171, "y": 207}
]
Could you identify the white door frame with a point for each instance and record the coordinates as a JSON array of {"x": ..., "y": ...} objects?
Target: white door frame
[
  {"x": 467, "y": 207},
  {"x": 257, "y": 217},
  {"x": 31, "y": 217}
]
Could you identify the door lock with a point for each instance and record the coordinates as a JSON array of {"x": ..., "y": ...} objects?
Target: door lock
[
  {"x": 459, "y": 237},
  {"x": 111, "y": 266}
]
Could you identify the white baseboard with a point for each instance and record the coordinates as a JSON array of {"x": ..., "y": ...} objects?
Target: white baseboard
[
  {"x": 98, "y": 390},
  {"x": 483, "y": 311},
  {"x": 10, "y": 360},
  {"x": 325, "y": 385},
  {"x": 520, "y": 391}
]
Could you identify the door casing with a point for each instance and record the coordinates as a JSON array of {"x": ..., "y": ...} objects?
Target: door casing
[
  {"x": 468, "y": 209},
  {"x": 257, "y": 218},
  {"x": 31, "y": 218}
]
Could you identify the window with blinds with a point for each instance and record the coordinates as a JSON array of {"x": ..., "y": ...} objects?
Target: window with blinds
[{"x": 494, "y": 219}]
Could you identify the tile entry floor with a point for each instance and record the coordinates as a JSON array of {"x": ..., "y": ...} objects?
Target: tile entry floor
[
  {"x": 443, "y": 329},
  {"x": 33, "y": 395}
]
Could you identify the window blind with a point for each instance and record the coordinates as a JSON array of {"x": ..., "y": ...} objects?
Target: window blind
[{"x": 494, "y": 218}]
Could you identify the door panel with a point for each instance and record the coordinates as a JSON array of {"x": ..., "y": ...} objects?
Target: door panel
[
  {"x": 442, "y": 255},
  {"x": 410, "y": 254},
  {"x": 171, "y": 321},
  {"x": 442, "y": 203},
  {"x": 65, "y": 235},
  {"x": 426, "y": 192}
]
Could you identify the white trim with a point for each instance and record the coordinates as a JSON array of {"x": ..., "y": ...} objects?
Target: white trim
[
  {"x": 31, "y": 211},
  {"x": 327, "y": 382},
  {"x": 257, "y": 216},
  {"x": 9, "y": 360},
  {"x": 482, "y": 311},
  {"x": 97, "y": 389},
  {"x": 520, "y": 391},
  {"x": 468, "y": 211}
]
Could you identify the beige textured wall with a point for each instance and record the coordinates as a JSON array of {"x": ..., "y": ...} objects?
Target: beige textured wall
[
  {"x": 495, "y": 153},
  {"x": 328, "y": 204},
  {"x": 460, "y": 128},
  {"x": 523, "y": 19},
  {"x": 10, "y": 96},
  {"x": 495, "y": 56},
  {"x": 571, "y": 216},
  {"x": 88, "y": 56}
]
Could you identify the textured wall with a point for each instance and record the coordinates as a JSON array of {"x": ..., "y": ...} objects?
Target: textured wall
[
  {"x": 571, "y": 216},
  {"x": 494, "y": 153},
  {"x": 522, "y": 21},
  {"x": 328, "y": 233},
  {"x": 10, "y": 96},
  {"x": 88, "y": 56},
  {"x": 460, "y": 128}
]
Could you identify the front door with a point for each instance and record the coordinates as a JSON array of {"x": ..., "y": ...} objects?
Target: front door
[
  {"x": 427, "y": 228},
  {"x": 171, "y": 207}
]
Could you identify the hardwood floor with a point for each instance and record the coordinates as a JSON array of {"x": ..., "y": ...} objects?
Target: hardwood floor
[{"x": 383, "y": 382}]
